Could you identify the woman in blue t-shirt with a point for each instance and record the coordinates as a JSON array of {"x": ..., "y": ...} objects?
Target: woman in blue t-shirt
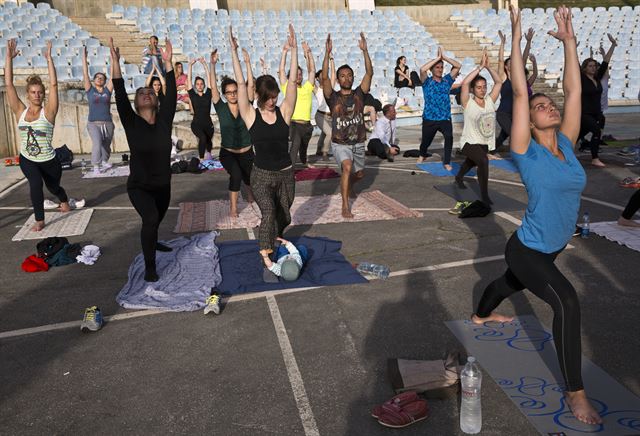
[
  {"x": 100, "y": 124},
  {"x": 542, "y": 148}
]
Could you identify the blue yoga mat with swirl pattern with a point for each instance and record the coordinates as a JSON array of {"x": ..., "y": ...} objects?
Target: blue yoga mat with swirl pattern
[{"x": 521, "y": 357}]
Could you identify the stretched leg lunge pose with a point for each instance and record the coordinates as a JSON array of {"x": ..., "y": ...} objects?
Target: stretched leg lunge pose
[
  {"x": 436, "y": 116},
  {"x": 272, "y": 178},
  {"x": 100, "y": 124},
  {"x": 348, "y": 133},
  {"x": 38, "y": 160},
  {"x": 478, "y": 134},
  {"x": 236, "y": 153},
  {"x": 542, "y": 148},
  {"x": 148, "y": 131}
]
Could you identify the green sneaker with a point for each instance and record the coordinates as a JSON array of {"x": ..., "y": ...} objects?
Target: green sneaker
[
  {"x": 213, "y": 304},
  {"x": 92, "y": 320}
]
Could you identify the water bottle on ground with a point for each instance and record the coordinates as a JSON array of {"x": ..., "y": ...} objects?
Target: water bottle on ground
[
  {"x": 379, "y": 271},
  {"x": 83, "y": 167},
  {"x": 470, "y": 407},
  {"x": 584, "y": 233}
]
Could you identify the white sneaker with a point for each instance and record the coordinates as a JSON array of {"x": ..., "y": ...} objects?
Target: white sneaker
[
  {"x": 96, "y": 171},
  {"x": 174, "y": 151},
  {"x": 105, "y": 166},
  {"x": 76, "y": 204},
  {"x": 48, "y": 204}
]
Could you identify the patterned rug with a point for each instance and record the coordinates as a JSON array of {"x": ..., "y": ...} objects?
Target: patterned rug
[
  {"x": 56, "y": 224},
  {"x": 321, "y": 209},
  {"x": 121, "y": 171}
]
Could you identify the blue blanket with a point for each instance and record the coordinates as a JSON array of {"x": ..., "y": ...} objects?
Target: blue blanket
[
  {"x": 504, "y": 164},
  {"x": 187, "y": 275},
  {"x": 242, "y": 267},
  {"x": 436, "y": 169}
]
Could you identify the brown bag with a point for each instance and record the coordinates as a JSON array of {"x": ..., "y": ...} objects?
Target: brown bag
[{"x": 432, "y": 378}]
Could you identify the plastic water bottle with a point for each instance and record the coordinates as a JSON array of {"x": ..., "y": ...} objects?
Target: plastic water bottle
[
  {"x": 636, "y": 157},
  {"x": 379, "y": 271},
  {"x": 470, "y": 407},
  {"x": 83, "y": 167},
  {"x": 584, "y": 233}
]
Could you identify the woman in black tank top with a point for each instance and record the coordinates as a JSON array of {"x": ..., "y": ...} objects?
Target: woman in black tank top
[{"x": 272, "y": 178}]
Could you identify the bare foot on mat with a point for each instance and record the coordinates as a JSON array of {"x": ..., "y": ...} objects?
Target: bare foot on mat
[
  {"x": 64, "y": 207},
  {"x": 582, "y": 408},
  {"x": 495, "y": 317},
  {"x": 38, "y": 226}
]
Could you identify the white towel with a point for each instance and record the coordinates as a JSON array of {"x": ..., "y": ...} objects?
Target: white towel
[
  {"x": 623, "y": 235},
  {"x": 89, "y": 254}
]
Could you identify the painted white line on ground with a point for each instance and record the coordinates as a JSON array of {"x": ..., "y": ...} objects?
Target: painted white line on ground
[
  {"x": 12, "y": 187},
  {"x": 92, "y": 207},
  {"x": 75, "y": 324},
  {"x": 430, "y": 209},
  {"x": 508, "y": 217},
  {"x": 236, "y": 298},
  {"x": 295, "y": 378}
]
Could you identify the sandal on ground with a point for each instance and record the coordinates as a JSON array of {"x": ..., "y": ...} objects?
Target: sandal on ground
[
  {"x": 398, "y": 417},
  {"x": 400, "y": 400},
  {"x": 630, "y": 182}
]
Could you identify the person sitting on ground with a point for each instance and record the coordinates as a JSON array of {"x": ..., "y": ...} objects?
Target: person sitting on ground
[
  {"x": 289, "y": 260},
  {"x": 383, "y": 140},
  {"x": 155, "y": 80},
  {"x": 151, "y": 57},
  {"x": 402, "y": 78},
  {"x": 181, "y": 84}
]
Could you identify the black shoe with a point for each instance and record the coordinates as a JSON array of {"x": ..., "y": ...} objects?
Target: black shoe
[{"x": 460, "y": 184}]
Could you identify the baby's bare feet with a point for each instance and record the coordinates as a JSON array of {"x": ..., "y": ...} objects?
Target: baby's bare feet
[
  {"x": 581, "y": 407},
  {"x": 495, "y": 317}
]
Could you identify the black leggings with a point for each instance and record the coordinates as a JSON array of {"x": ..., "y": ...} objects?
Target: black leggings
[
  {"x": 299, "y": 135},
  {"x": 536, "y": 271},
  {"x": 504, "y": 121},
  {"x": 239, "y": 166},
  {"x": 476, "y": 156},
  {"x": 632, "y": 206},
  {"x": 591, "y": 123},
  {"x": 204, "y": 131},
  {"x": 36, "y": 172},
  {"x": 429, "y": 130},
  {"x": 152, "y": 206}
]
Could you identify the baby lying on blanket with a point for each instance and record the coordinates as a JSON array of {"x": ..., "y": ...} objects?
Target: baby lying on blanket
[{"x": 289, "y": 260}]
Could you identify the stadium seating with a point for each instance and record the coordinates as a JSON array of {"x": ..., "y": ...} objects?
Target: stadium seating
[{"x": 591, "y": 26}]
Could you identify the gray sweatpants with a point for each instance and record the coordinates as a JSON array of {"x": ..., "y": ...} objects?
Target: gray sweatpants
[
  {"x": 101, "y": 134},
  {"x": 323, "y": 121}
]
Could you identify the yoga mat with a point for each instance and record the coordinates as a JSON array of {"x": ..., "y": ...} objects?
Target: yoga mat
[
  {"x": 187, "y": 275},
  {"x": 623, "y": 235},
  {"x": 322, "y": 209},
  {"x": 315, "y": 174},
  {"x": 56, "y": 224},
  {"x": 504, "y": 164},
  {"x": 436, "y": 169},
  {"x": 242, "y": 267},
  {"x": 115, "y": 171},
  {"x": 472, "y": 193},
  {"x": 521, "y": 358}
]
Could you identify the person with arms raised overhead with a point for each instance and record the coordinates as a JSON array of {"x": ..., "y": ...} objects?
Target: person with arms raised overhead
[
  {"x": 148, "y": 131},
  {"x": 542, "y": 148},
  {"x": 38, "y": 160},
  {"x": 348, "y": 133}
]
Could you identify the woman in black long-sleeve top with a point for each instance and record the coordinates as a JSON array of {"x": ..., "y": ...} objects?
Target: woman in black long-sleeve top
[
  {"x": 592, "y": 120},
  {"x": 149, "y": 136}
]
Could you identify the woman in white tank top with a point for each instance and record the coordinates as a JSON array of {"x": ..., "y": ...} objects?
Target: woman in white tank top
[
  {"x": 38, "y": 160},
  {"x": 478, "y": 133}
]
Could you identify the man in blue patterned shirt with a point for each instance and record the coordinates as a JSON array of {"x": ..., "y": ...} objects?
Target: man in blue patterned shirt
[{"x": 436, "y": 116}]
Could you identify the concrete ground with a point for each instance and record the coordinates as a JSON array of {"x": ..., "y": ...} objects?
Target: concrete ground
[{"x": 305, "y": 362}]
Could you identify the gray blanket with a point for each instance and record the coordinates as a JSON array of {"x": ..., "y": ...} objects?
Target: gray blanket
[{"x": 187, "y": 275}]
